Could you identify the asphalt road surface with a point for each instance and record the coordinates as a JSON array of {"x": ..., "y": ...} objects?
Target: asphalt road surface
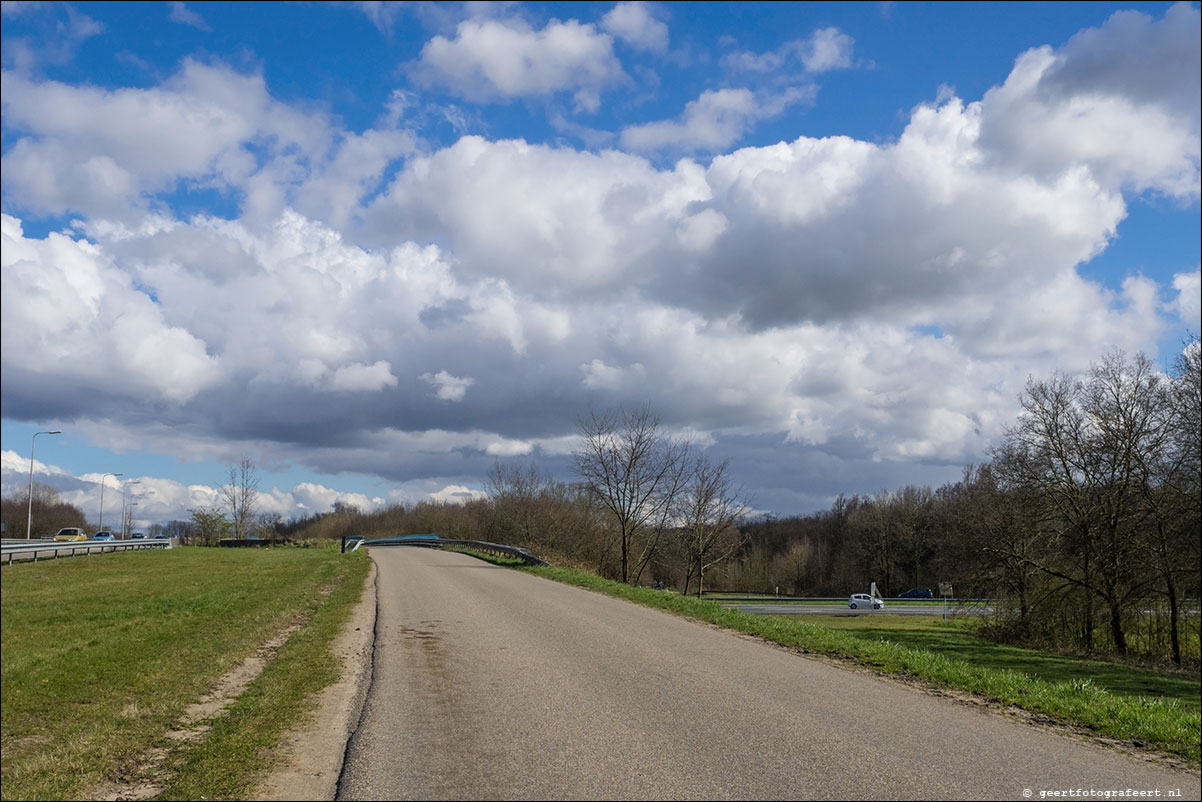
[{"x": 493, "y": 684}]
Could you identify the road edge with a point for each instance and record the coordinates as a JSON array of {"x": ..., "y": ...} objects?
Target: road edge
[{"x": 312, "y": 756}]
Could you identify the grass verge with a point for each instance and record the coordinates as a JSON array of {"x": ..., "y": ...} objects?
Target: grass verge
[
  {"x": 1167, "y": 726},
  {"x": 956, "y": 639},
  {"x": 102, "y": 655}
]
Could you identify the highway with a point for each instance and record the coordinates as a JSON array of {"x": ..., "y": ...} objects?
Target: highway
[
  {"x": 891, "y": 608},
  {"x": 493, "y": 684},
  {"x": 34, "y": 550}
]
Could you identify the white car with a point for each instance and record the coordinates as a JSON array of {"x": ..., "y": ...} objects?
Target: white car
[{"x": 863, "y": 600}]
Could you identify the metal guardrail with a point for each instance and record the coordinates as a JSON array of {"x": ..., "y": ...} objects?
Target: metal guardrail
[
  {"x": 29, "y": 552},
  {"x": 497, "y": 549}
]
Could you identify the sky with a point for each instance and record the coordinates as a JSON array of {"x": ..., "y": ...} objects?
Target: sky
[{"x": 376, "y": 248}]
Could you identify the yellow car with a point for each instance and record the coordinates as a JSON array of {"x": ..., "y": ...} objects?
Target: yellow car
[{"x": 70, "y": 534}]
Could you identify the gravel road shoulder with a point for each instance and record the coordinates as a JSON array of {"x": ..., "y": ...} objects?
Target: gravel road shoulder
[{"x": 312, "y": 756}]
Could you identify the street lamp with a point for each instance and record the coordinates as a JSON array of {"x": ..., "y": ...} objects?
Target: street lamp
[
  {"x": 29, "y": 521},
  {"x": 127, "y": 521},
  {"x": 102, "y": 478},
  {"x": 125, "y": 487}
]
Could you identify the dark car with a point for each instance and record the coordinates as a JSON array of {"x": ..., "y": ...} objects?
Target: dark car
[{"x": 917, "y": 593}]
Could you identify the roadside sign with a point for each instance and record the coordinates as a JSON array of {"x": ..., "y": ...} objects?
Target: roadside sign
[{"x": 945, "y": 590}]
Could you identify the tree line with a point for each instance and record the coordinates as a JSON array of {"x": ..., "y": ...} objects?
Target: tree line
[
  {"x": 1083, "y": 526},
  {"x": 49, "y": 512}
]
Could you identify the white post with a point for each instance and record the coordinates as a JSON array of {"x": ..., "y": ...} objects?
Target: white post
[
  {"x": 125, "y": 487},
  {"x": 100, "y": 524},
  {"x": 29, "y": 520}
]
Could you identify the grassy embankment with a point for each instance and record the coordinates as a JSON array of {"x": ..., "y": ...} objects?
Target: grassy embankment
[
  {"x": 956, "y": 639},
  {"x": 102, "y": 655},
  {"x": 1141, "y": 708}
]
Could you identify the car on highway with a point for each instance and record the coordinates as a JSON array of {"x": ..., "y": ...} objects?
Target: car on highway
[
  {"x": 103, "y": 534},
  {"x": 70, "y": 534},
  {"x": 863, "y": 600},
  {"x": 138, "y": 536},
  {"x": 917, "y": 593}
]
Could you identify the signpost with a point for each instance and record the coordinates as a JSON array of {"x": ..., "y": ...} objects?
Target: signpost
[{"x": 945, "y": 590}]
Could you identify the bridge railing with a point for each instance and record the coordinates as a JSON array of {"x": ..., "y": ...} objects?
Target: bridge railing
[{"x": 434, "y": 542}]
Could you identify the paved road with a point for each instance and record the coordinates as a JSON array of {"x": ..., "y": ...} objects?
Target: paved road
[{"x": 493, "y": 684}]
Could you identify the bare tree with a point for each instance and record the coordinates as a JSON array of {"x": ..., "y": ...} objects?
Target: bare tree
[
  {"x": 520, "y": 516},
  {"x": 710, "y": 508},
  {"x": 240, "y": 492},
  {"x": 879, "y": 550},
  {"x": 1171, "y": 541},
  {"x": 1085, "y": 449},
  {"x": 997, "y": 543},
  {"x": 127, "y": 520},
  {"x": 267, "y": 524},
  {"x": 1044, "y": 453},
  {"x": 531, "y": 509},
  {"x": 635, "y": 472}
]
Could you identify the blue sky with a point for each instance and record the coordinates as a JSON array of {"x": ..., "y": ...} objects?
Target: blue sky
[{"x": 377, "y": 247}]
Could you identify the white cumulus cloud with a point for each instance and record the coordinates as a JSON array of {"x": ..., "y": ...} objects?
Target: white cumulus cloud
[
  {"x": 633, "y": 23},
  {"x": 1188, "y": 303},
  {"x": 824, "y": 50},
  {"x": 65, "y": 302},
  {"x": 716, "y": 119},
  {"x": 827, "y": 49},
  {"x": 448, "y": 387},
  {"x": 185, "y": 16},
  {"x": 360, "y": 377},
  {"x": 1120, "y": 100},
  {"x": 492, "y": 60}
]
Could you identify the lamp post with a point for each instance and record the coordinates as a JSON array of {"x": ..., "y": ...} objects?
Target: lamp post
[
  {"x": 29, "y": 521},
  {"x": 127, "y": 522},
  {"x": 102, "y": 478},
  {"x": 125, "y": 487}
]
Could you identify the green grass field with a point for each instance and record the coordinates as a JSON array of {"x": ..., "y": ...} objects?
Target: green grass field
[
  {"x": 955, "y": 640},
  {"x": 101, "y": 655}
]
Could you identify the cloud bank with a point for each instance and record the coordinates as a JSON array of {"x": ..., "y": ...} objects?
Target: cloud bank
[{"x": 375, "y": 304}]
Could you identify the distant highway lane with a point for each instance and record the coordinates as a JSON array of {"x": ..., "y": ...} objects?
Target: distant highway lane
[
  {"x": 493, "y": 684},
  {"x": 834, "y": 608}
]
